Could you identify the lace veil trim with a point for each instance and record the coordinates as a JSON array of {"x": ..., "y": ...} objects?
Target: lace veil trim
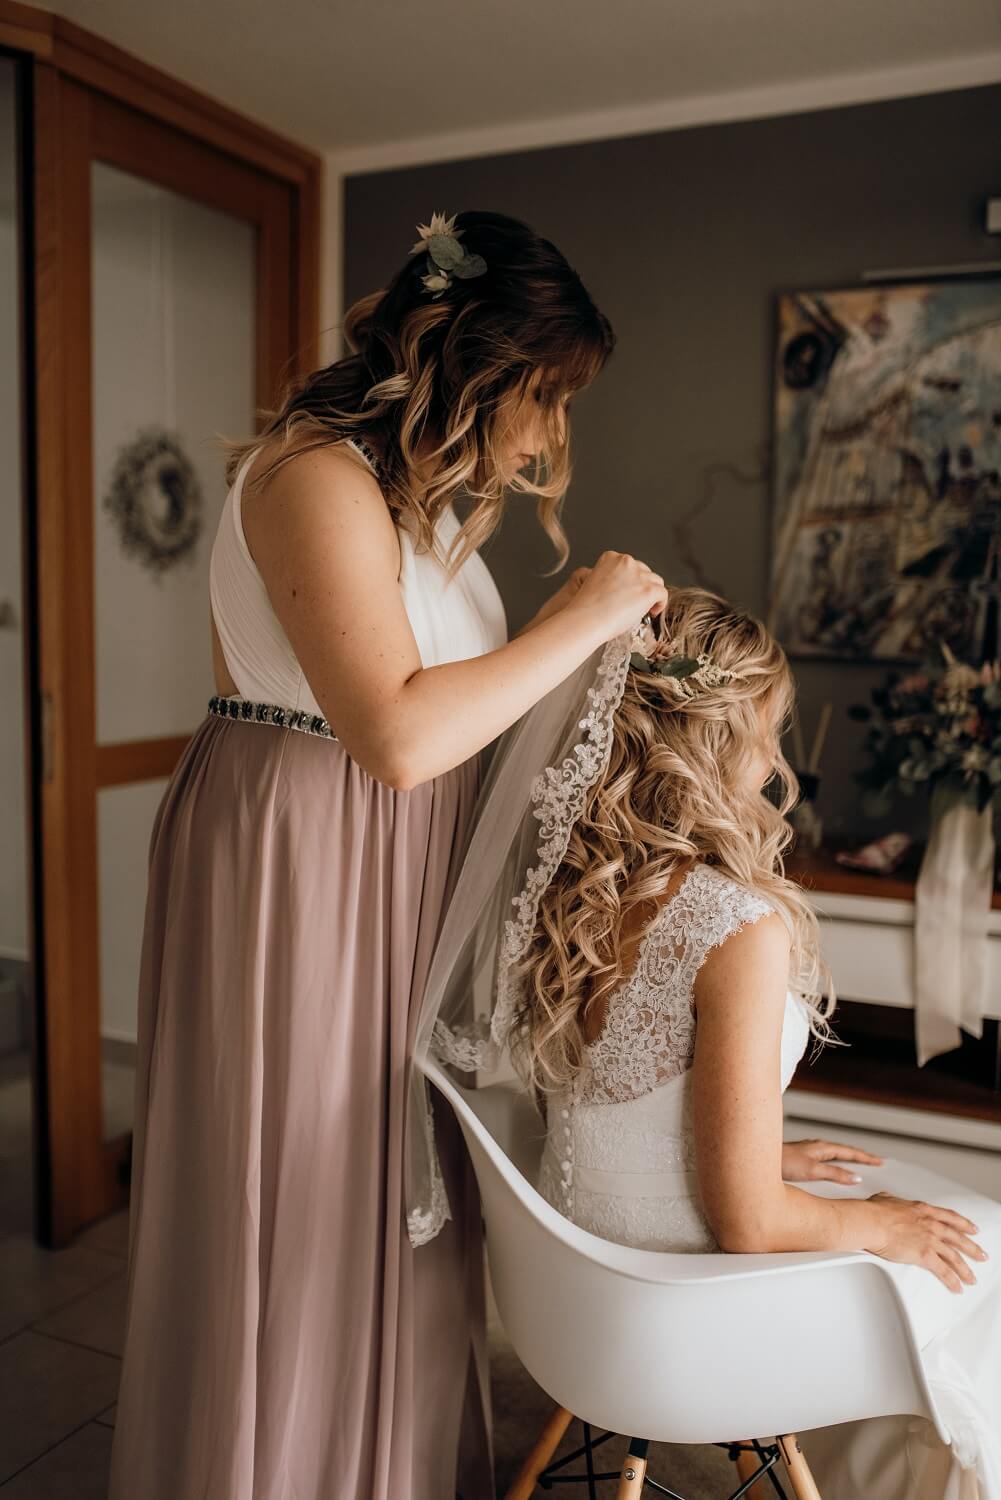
[
  {"x": 557, "y": 798},
  {"x": 523, "y": 823}
]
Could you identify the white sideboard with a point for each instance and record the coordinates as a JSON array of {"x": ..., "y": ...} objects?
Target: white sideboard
[
  {"x": 868, "y": 940},
  {"x": 869, "y": 944}
]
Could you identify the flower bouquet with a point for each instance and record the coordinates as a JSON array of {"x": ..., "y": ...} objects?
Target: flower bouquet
[{"x": 938, "y": 731}]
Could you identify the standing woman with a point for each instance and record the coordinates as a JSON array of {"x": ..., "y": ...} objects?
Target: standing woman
[{"x": 284, "y": 1339}]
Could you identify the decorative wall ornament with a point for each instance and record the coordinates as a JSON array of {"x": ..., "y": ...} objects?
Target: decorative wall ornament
[
  {"x": 155, "y": 500},
  {"x": 887, "y": 470}
]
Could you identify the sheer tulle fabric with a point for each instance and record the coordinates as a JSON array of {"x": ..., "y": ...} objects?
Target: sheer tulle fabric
[{"x": 534, "y": 790}]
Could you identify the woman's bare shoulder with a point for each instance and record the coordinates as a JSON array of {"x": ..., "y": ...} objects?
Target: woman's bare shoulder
[
  {"x": 323, "y": 492},
  {"x": 753, "y": 958}
]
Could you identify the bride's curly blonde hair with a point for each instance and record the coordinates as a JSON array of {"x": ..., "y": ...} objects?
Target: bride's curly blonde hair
[
  {"x": 675, "y": 790},
  {"x": 453, "y": 370}
]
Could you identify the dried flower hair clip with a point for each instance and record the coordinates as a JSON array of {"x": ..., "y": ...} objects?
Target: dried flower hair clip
[
  {"x": 689, "y": 674},
  {"x": 446, "y": 257}
]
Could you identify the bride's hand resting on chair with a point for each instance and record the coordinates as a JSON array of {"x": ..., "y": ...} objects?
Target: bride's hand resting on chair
[
  {"x": 924, "y": 1234},
  {"x": 815, "y": 1161}
]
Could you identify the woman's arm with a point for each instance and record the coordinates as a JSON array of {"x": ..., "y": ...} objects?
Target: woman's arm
[
  {"x": 557, "y": 601},
  {"x": 327, "y": 549},
  {"x": 740, "y": 995}
]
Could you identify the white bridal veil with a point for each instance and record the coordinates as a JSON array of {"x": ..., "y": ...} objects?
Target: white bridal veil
[{"x": 533, "y": 792}]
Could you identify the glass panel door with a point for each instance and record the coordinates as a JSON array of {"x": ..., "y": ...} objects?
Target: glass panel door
[
  {"x": 173, "y": 321},
  {"x": 169, "y": 282}
]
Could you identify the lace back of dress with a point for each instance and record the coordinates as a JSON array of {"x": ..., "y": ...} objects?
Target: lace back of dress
[{"x": 648, "y": 1036}]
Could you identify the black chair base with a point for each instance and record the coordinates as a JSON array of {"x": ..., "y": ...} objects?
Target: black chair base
[{"x": 768, "y": 1455}]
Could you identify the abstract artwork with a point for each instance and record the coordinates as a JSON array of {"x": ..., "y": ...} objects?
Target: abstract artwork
[{"x": 887, "y": 471}]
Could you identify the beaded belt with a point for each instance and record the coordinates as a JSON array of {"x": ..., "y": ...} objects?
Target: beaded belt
[{"x": 271, "y": 713}]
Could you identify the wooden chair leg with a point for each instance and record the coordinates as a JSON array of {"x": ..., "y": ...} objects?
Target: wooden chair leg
[
  {"x": 803, "y": 1483},
  {"x": 748, "y": 1463},
  {"x": 546, "y": 1444},
  {"x": 633, "y": 1471}
]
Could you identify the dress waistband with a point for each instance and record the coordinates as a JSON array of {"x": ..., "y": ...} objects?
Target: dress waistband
[
  {"x": 679, "y": 1183},
  {"x": 271, "y": 713}
]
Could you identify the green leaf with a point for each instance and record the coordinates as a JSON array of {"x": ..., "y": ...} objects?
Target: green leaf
[
  {"x": 473, "y": 265},
  {"x": 678, "y": 666},
  {"x": 445, "y": 251}
]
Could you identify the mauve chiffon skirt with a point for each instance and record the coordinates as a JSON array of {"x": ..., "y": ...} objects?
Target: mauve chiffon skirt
[{"x": 283, "y": 1339}]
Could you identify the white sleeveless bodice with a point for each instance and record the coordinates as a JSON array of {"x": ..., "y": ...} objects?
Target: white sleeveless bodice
[
  {"x": 619, "y": 1158},
  {"x": 452, "y": 620}
]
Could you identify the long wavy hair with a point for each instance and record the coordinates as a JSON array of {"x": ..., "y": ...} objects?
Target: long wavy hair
[
  {"x": 446, "y": 372},
  {"x": 676, "y": 789}
]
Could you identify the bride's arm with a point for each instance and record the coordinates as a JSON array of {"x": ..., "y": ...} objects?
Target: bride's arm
[
  {"x": 328, "y": 552},
  {"x": 740, "y": 996}
]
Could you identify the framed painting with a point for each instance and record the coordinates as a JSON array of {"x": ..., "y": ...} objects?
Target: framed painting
[{"x": 886, "y": 470}]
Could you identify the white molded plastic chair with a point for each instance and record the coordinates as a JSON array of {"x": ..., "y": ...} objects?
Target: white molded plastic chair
[{"x": 679, "y": 1348}]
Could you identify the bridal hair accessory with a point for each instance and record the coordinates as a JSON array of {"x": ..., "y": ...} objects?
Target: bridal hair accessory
[
  {"x": 689, "y": 674},
  {"x": 446, "y": 257}
]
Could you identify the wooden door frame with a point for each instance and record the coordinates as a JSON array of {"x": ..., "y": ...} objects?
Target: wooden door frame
[{"x": 90, "y": 100}]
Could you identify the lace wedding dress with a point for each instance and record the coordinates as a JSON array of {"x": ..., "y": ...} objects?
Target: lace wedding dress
[{"x": 619, "y": 1160}]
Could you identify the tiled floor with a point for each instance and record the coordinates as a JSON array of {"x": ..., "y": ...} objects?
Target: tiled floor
[
  {"x": 61, "y": 1317},
  {"x": 61, "y": 1314}
]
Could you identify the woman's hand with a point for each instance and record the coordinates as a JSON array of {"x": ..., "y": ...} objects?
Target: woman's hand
[
  {"x": 923, "y": 1234},
  {"x": 556, "y": 601},
  {"x": 617, "y": 592},
  {"x": 812, "y": 1161}
]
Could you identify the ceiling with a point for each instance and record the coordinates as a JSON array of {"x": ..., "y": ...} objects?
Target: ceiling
[{"x": 384, "y": 83}]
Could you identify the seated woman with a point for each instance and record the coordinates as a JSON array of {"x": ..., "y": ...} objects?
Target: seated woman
[{"x": 660, "y": 1042}]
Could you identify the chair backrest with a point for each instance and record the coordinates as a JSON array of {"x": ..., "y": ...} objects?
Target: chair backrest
[{"x": 684, "y": 1348}]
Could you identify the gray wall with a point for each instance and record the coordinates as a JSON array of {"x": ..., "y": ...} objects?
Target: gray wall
[{"x": 684, "y": 238}]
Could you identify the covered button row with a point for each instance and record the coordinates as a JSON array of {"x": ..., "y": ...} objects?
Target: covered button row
[{"x": 566, "y": 1165}]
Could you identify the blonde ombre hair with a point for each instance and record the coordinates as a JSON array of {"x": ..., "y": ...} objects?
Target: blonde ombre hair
[
  {"x": 455, "y": 370},
  {"x": 676, "y": 789}
]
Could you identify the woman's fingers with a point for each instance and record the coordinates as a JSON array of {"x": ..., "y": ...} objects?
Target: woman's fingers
[
  {"x": 941, "y": 1268},
  {"x": 965, "y": 1244},
  {"x": 951, "y": 1217},
  {"x": 855, "y": 1153},
  {"x": 959, "y": 1264},
  {"x": 825, "y": 1173},
  {"x": 828, "y": 1150}
]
